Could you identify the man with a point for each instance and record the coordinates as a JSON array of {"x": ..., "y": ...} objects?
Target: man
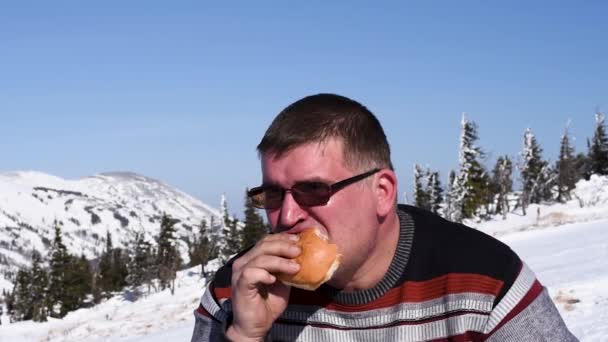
[{"x": 406, "y": 274}]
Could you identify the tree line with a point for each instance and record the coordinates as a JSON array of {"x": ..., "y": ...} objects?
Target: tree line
[
  {"x": 62, "y": 282},
  {"x": 475, "y": 191}
]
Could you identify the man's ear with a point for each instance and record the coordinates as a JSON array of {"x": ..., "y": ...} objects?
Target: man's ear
[{"x": 386, "y": 191}]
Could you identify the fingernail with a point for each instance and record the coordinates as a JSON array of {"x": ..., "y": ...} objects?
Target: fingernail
[
  {"x": 295, "y": 249},
  {"x": 294, "y": 237},
  {"x": 294, "y": 265}
]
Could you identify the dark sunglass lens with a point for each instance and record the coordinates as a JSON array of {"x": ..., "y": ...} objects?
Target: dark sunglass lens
[
  {"x": 273, "y": 197},
  {"x": 311, "y": 193},
  {"x": 257, "y": 199}
]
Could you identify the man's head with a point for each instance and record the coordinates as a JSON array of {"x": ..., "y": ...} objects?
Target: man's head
[
  {"x": 318, "y": 118},
  {"x": 320, "y": 141}
]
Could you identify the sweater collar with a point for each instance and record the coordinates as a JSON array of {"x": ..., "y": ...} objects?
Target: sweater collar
[{"x": 391, "y": 277}]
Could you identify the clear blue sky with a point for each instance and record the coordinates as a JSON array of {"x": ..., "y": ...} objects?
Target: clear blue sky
[{"x": 183, "y": 91}]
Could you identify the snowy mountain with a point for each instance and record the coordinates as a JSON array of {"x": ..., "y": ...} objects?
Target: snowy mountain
[{"x": 121, "y": 203}]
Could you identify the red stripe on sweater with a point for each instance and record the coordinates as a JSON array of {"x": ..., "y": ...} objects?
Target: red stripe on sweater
[
  {"x": 468, "y": 336},
  {"x": 530, "y": 296},
  {"x": 409, "y": 292},
  {"x": 222, "y": 292},
  {"x": 201, "y": 310}
]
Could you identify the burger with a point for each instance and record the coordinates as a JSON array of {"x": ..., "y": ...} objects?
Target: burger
[{"x": 318, "y": 261}]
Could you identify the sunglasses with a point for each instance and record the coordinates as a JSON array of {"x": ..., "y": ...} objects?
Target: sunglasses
[{"x": 306, "y": 194}]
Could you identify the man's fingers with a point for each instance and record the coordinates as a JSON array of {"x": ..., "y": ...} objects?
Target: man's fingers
[
  {"x": 251, "y": 277},
  {"x": 282, "y": 246},
  {"x": 273, "y": 264},
  {"x": 261, "y": 270}
]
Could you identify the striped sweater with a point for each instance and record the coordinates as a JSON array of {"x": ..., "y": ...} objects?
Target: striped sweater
[{"x": 446, "y": 282}]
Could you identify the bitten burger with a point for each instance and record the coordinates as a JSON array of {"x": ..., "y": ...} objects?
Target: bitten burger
[{"x": 318, "y": 261}]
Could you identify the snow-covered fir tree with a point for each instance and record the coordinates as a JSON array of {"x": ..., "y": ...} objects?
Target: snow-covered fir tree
[
  {"x": 435, "y": 192},
  {"x": 219, "y": 235},
  {"x": 536, "y": 175},
  {"x": 428, "y": 193},
  {"x": 233, "y": 238},
  {"x": 421, "y": 196},
  {"x": 598, "y": 149},
  {"x": 565, "y": 168},
  {"x": 468, "y": 192},
  {"x": 502, "y": 184},
  {"x": 448, "y": 208}
]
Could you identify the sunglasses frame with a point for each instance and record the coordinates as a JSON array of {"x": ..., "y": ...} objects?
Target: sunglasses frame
[{"x": 331, "y": 190}]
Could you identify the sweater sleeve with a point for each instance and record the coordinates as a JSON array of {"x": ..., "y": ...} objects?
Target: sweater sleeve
[
  {"x": 211, "y": 320},
  {"x": 527, "y": 313}
]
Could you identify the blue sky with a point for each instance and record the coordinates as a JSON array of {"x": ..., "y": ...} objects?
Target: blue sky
[{"x": 183, "y": 91}]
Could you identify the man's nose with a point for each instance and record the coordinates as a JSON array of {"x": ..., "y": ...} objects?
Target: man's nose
[{"x": 291, "y": 212}]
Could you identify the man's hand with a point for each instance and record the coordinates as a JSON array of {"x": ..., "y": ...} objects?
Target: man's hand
[{"x": 258, "y": 298}]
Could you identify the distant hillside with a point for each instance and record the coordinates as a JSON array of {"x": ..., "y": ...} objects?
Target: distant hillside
[{"x": 121, "y": 203}]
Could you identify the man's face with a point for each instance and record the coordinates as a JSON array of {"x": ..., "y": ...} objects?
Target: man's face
[{"x": 349, "y": 219}]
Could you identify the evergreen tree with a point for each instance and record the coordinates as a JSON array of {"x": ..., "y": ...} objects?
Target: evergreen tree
[
  {"x": 582, "y": 166},
  {"x": 598, "y": 150},
  {"x": 38, "y": 289},
  {"x": 221, "y": 230},
  {"x": 167, "y": 258},
  {"x": 535, "y": 173},
  {"x": 22, "y": 301},
  {"x": 9, "y": 300},
  {"x": 469, "y": 190},
  {"x": 95, "y": 289},
  {"x": 105, "y": 280},
  {"x": 140, "y": 263},
  {"x": 448, "y": 209},
  {"x": 58, "y": 264},
  {"x": 77, "y": 284},
  {"x": 233, "y": 239},
  {"x": 200, "y": 249},
  {"x": 254, "y": 228},
  {"x": 229, "y": 238},
  {"x": 214, "y": 239},
  {"x": 566, "y": 169},
  {"x": 435, "y": 192},
  {"x": 113, "y": 270},
  {"x": 421, "y": 196},
  {"x": 502, "y": 184},
  {"x": 119, "y": 271}
]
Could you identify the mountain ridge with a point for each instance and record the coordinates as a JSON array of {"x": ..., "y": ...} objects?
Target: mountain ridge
[{"x": 119, "y": 202}]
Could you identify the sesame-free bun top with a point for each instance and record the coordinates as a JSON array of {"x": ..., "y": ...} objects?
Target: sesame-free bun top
[{"x": 318, "y": 261}]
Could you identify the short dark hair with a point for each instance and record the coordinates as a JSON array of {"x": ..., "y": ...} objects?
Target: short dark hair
[{"x": 318, "y": 118}]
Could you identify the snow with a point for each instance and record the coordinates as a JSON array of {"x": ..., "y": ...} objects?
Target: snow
[
  {"x": 566, "y": 245},
  {"x": 119, "y": 319},
  {"x": 125, "y": 203}
]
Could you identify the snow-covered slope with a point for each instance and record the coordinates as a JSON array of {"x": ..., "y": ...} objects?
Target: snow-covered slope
[
  {"x": 121, "y": 203},
  {"x": 589, "y": 203},
  {"x": 570, "y": 258}
]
